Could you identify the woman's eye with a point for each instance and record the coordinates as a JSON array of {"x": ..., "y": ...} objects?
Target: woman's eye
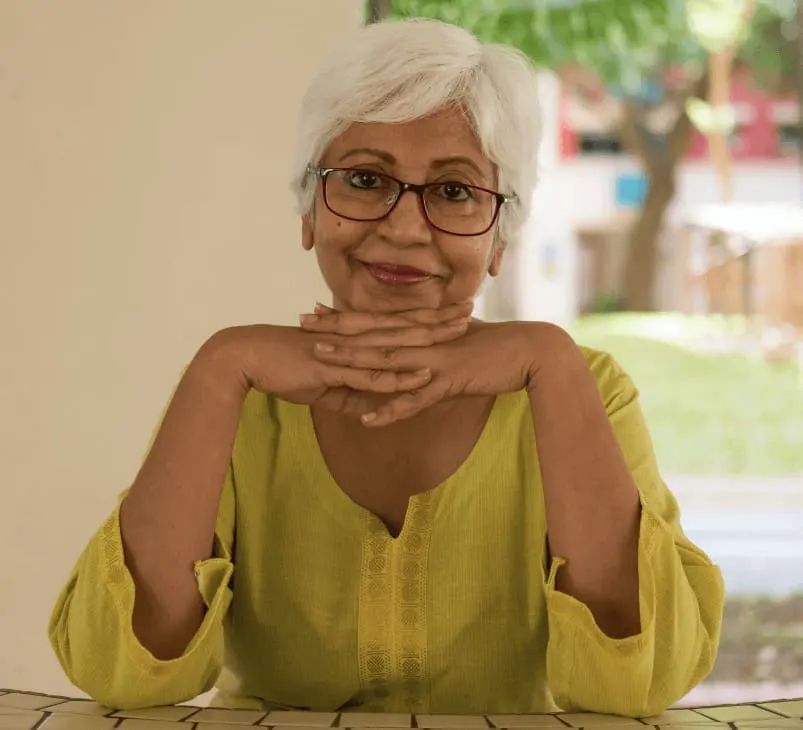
[
  {"x": 363, "y": 180},
  {"x": 455, "y": 192}
]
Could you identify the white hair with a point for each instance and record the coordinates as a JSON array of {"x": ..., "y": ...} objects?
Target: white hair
[{"x": 400, "y": 71}]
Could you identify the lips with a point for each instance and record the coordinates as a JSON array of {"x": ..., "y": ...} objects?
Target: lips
[
  {"x": 396, "y": 275},
  {"x": 398, "y": 269}
]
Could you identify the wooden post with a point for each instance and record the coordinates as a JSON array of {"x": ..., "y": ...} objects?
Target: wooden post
[{"x": 720, "y": 64}]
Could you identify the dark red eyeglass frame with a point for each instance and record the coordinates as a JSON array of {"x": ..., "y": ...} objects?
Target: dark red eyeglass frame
[{"x": 419, "y": 189}]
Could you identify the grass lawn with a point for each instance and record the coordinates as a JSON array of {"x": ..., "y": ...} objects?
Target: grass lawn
[{"x": 707, "y": 413}]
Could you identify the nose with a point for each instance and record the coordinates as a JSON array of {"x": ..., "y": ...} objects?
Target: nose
[{"x": 407, "y": 223}]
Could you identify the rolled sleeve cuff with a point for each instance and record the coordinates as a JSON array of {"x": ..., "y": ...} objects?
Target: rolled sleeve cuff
[
  {"x": 213, "y": 577},
  {"x": 587, "y": 669}
]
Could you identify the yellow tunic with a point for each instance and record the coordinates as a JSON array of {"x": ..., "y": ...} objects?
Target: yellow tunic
[{"x": 312, "y": 604}]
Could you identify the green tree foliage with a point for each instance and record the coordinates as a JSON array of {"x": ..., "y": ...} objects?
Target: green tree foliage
[
  {"x": 628, "y": 46},
  {"x": 626, "y": 43}
]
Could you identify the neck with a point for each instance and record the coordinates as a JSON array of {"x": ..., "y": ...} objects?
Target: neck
[{"x": 426, "y": 422}]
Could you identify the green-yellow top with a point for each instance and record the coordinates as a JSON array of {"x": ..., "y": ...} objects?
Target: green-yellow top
[{"x": 312, "y": 604}]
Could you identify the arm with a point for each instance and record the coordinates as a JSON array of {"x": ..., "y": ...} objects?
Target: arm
[
  {"x": 91, "y": 625},
  {"x": 140, "y": 621},
  {"x": 167, "y": 520},
  {"x": 592, "y": 502},
  {"x": 634, "y": 608}
]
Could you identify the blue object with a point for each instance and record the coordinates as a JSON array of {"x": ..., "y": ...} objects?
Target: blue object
[
  {"x": 648, "y": 93},
  {"x": 631, "y": 189}
]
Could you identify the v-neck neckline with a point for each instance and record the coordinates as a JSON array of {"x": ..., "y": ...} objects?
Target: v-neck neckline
[{"x": 353, "y": 515}]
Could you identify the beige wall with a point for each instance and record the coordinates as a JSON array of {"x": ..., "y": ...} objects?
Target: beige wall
[{"x": 144, "y": 148}]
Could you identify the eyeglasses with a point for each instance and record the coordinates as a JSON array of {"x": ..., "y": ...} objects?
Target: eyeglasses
[{"x": 450, "y": 206}]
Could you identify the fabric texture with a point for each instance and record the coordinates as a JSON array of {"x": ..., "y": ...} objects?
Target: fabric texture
[{"x": 312, "y": 604}]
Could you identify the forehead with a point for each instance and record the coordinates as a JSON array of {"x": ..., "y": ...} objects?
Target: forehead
[{"x": 416, "y": 144}]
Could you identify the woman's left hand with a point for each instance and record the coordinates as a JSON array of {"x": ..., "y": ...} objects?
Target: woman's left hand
[{"x": 488, "y": 359}]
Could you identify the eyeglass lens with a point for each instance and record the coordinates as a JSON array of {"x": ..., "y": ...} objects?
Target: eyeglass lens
[{"x": 451, "y": 206}]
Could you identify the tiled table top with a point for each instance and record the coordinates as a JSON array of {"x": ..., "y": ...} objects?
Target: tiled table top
[{"x": 28, "y": 711}]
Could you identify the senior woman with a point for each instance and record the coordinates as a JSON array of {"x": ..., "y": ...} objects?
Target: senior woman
[{"x": 393, "y": 506}]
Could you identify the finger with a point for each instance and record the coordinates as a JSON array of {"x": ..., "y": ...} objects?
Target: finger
[
  {"x": 420, "y": 316},
  {"x": 346, "y": 401},
  {"x": 373, "y": 381},
  {"x": 409, "y": 336},
  {"x": 439, "y": 316},
  {"x": 405, "y": 406},
  {"x": 354, "y": 323},
  {"x": 350, "y": 323},
  {"x": 394, "y": 359}
]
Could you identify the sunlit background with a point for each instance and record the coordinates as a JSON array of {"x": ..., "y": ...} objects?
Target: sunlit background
[{"x": 668, "y": 230}]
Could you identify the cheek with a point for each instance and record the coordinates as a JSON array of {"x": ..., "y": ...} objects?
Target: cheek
[
  {"x": 472, "y": 257},
  {"x": 336, "y": 239}
]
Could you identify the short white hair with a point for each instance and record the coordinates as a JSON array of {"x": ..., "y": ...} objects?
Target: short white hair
[{"x": 400, "y": 71}]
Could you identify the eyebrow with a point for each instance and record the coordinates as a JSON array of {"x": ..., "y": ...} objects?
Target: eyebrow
[
  {"x": 457, "y": 160},
  {"x": 381, "y": 154},
  {"x": 391, "y": 160}
]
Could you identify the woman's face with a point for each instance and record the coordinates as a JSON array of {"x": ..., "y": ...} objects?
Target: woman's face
[{"x": 366, "y": 264}]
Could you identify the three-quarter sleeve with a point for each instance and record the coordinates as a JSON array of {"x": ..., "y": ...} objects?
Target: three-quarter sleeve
[
  {"x": 681, "y": 594},
  {"x": 91, "y": 629},
  {"x": 91, "y": 625}
]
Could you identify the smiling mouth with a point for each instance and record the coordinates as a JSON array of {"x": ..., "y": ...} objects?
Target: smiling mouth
[{"x": 397, "y": 275}]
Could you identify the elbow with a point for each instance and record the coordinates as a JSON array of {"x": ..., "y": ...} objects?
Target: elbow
[
  {"x": 114, "y": 679},
  {"x": 119, "y": 692},
  {"x": 666, "y": 691},
  {"x": 633, "y": 705},
  {"x": 94, "y": 680}
]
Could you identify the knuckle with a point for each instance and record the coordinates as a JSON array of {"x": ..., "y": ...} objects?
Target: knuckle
[
  {"x": 339, "y": 356},
  {"x": 389, "y": 353}
]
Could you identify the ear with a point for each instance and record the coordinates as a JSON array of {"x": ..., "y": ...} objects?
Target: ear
[
  {"x": 495, "y": 264},
  {"x": 307, "y": 235}
]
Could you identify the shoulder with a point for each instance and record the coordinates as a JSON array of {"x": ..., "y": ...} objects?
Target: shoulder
[
  {"x": 263, "y": 414},
  {"x": 614, "y": 384}
]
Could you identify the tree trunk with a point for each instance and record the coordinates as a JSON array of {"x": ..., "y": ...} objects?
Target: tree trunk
[
  {"x": 799, "y": 79},
  {"x": 643, "y": 242},
  {"x": 660, "y": 159},
  {"x": 379, "y": 10}
]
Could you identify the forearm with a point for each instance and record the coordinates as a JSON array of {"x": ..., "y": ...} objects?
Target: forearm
[
  {"x": 592, "y": 503},
  {"x": 167, "y": 520}
]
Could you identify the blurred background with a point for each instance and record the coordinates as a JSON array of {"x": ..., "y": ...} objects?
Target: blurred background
[
  {"x": 144, "y": 204},
  {"x": 668, "y": 230}
]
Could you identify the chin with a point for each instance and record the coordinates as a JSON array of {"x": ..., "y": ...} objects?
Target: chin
[{"x": 390, "y": 303}]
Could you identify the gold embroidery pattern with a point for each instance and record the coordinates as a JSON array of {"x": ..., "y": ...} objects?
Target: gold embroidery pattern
[
  {"x": 392, "y": 627},
  {"x": 409, "y": 610},
  {"x": 374, "y": 620}
]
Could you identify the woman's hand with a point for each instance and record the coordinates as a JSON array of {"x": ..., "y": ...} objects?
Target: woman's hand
[
  {"x": 487, "y": 360},
  {"x": 281, "y": 360}
]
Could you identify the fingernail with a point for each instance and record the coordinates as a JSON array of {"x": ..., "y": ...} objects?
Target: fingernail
[
  {"x": 319, "y": 308},
  {"x": 368, "y": 417},
  {"x": 324, "y": 347},
  {"x": 308, "y": 318},
  {"x": 424, "y": 372}
]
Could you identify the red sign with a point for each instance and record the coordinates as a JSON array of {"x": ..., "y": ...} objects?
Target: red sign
[{"x": 765, "y": 125}]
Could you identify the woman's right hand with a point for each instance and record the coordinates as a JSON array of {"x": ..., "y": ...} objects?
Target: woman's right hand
[{"x": 279, "y": 360}]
